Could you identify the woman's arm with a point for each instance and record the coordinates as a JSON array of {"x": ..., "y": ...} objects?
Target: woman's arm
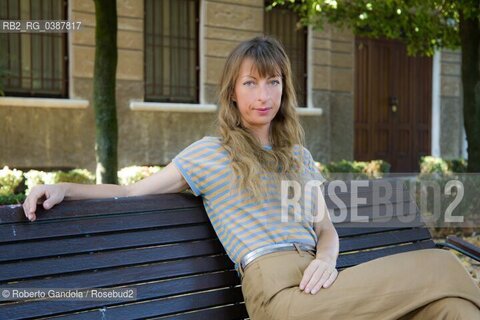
[
  {"x": 168, "y": 180},
  {"x": 321, "y": 272},
  {"x": 328, "y": 243}
]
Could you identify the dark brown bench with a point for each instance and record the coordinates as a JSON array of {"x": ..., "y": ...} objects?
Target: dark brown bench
[{"x": 165, "y": 248}]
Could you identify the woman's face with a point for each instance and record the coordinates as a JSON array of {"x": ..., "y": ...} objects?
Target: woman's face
[{"x": 258, "y": 99}]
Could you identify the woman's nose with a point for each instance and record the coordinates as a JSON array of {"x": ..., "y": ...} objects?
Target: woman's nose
[{"x": 264, "y": 93}]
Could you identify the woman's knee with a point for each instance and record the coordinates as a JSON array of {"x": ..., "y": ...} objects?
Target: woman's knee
[
  {"x": 452, "y": 308},
  {"x": 436, "y": 256}
]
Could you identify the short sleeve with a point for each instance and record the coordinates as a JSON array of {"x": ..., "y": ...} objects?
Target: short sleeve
[
  {"x": 197, "y": 160},
  {"x": 314, "y": 174},
  {"x": 311, "y": 169}
]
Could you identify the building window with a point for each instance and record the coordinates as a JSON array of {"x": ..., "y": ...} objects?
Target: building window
[
  {"x": 34, "y": 64},
  {"x": 281, "y": 23},
  {"x": 171, "y": 51}
]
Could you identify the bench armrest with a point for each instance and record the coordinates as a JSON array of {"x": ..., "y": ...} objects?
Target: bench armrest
[{"x": 462, "y": 246}]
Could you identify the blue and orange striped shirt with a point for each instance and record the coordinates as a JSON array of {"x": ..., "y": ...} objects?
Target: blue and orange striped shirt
[{"x": 241, "y": 222}]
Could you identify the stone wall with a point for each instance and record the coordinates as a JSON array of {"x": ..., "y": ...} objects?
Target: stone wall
[
  {"x": 333, "y": 86},
  {"x": 451, "y": 107}
]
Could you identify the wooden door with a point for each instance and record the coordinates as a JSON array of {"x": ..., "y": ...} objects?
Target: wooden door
[{"x": 393, "y": 102}]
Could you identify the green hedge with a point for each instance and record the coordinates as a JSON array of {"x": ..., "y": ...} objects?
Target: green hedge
[
  {"x": 361, "y": 169},
  {"x": 35, "y": 177},
  {"x": 133, "y": 174},
  {"x": 10, "y": 179},
  {"x": 429, "y": 164},
  {"x": 12, "y": 199}
]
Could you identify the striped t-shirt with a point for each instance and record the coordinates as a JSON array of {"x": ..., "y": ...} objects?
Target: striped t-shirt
[{"x": 241, "y": 223}]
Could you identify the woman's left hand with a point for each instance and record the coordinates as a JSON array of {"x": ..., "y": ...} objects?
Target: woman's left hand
[{"x": 318, "y": 274}]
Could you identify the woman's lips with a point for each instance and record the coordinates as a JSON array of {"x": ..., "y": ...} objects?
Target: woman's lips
[{"x": 263, "y": 110}]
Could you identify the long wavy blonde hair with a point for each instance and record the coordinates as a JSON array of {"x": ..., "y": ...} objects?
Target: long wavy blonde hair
[{"x": 249, "y": 159}]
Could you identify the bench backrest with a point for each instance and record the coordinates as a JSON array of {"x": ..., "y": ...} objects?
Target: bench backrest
[{"x": 164, "y": 247}]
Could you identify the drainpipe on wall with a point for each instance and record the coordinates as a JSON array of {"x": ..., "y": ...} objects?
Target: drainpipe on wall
[{"x": 436, "y": 113}]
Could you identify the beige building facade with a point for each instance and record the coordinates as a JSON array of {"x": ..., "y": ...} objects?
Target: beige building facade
[{"x": 48, "y": 132}]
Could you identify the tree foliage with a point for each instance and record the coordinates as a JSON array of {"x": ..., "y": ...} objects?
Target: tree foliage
[{"x": 424, "y": 25}]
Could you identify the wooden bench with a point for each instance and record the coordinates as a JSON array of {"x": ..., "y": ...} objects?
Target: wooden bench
[{"x": 164, "y": 247}]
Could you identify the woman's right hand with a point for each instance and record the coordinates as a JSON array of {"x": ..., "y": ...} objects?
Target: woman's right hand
[{"x": 48, "y": 194}]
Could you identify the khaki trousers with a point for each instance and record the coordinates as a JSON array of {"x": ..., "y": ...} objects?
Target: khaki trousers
[{"x": 422, "y": 284}]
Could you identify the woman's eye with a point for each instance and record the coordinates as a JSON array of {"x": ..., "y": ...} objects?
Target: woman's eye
[
  {"x": 275, "y": 82},
  {"x": 248, "y": 83}
]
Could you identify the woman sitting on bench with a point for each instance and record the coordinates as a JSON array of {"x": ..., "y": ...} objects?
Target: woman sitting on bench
[{"x": 287, "y": 262}]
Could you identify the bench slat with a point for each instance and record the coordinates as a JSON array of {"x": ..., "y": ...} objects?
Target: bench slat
[
  {"x": 374, "y": 212},
  {"x": 129, "y": 275},
  {"x": 116, "y": 258},
  {"x": 358, "y": 228},
  {"x": 80, "y": 226},
  {"x": 83, "y": 244},
  {"x": 93, "y": 207},
  {"x": 383, "y": 239},
  {"x": 367, "y": 195},
  {"x": 231, "y": 312},
  {"x": 144, "y": 292},
  {"x": 163, "y": 306},
  {"x": 352, "y": 259}
]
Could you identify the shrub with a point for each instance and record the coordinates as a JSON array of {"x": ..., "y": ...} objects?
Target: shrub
[
  {"x": 457, "y": 165},
  {"x": 35, "y": 177},
  {"x": 376, "y": 168},
  {"x": 358, "y": 169},
  {"x": 10, "y": 179},
  {"x": 12, "y": 199},
  {"x": 75, "y": 176},
  {"x": 345, "y": 166},
  {"x": 129, "y": 175},
  {"x": 431, "y": 164}
]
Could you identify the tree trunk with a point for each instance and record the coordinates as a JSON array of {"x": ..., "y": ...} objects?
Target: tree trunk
[
  {"x": 470, "y": 43},
  {"x": 104, "y": 90}
]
